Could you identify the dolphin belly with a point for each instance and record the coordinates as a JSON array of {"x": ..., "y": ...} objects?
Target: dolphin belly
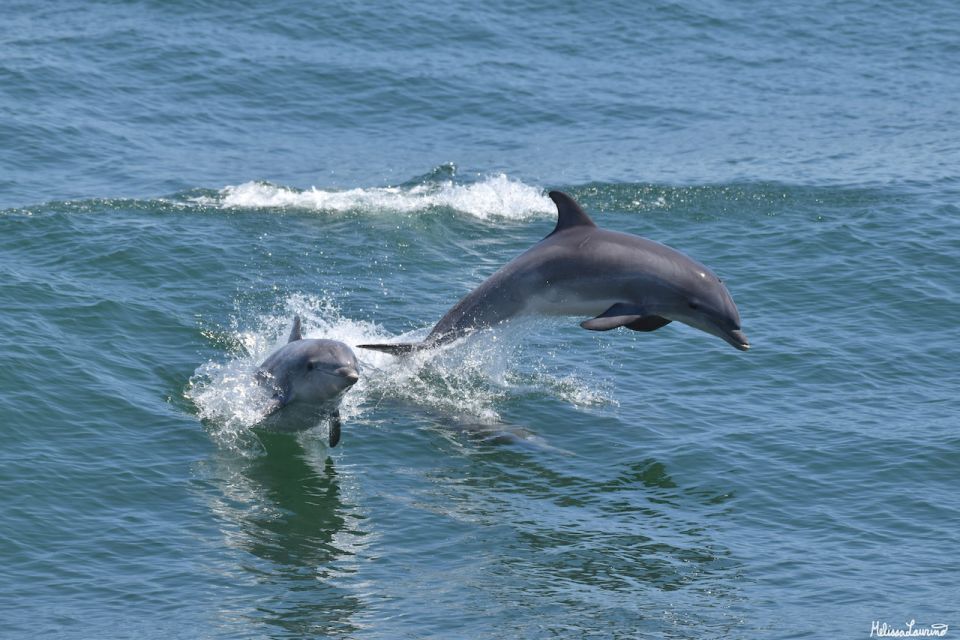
[{"x": 568, "y": 305}]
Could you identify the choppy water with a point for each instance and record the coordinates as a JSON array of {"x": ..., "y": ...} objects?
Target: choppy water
[{"x": 180, "y": 179}]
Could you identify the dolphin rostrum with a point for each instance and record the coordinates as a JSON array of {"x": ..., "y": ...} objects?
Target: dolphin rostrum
[
  {"x": 308, "y": 378},
  {"x": 579, "y": 269}
]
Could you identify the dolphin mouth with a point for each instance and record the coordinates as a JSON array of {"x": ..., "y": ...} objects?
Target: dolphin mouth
[
  {"x": 738, "y": 339},
  {"x": 349, "y": 374}
]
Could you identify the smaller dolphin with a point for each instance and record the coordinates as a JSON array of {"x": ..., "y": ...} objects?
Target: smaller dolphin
[{"x": 308, "y": 378}]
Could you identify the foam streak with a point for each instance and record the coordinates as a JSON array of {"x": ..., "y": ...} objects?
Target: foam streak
[{"x": 496, "y": 197}]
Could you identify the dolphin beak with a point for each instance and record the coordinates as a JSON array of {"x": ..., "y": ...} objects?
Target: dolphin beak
[
  {"x": 349, "y": 374},
  {"x": 738, "y": 339}
]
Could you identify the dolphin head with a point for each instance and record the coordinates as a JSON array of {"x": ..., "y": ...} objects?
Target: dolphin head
[
  {"x": 702, "y": 301},
  {"x": 311, "y": 371},
  {"x": 325, "y": 368}
]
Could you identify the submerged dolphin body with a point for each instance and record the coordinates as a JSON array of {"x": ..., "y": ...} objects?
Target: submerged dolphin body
[
  {"x": 308, "y": 378},
  {"x": 579, "y": 269}
]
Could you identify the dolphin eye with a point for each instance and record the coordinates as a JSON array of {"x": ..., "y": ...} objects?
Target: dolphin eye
[
  {"x": 310, "y": 366},
  {"x": 693, "y": 305}
]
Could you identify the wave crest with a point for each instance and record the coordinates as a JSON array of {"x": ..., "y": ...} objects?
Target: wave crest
[{"x": 494, "y": 197}]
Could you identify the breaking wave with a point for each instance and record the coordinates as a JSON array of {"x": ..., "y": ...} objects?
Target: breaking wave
[{"x": 494, "y": 197}]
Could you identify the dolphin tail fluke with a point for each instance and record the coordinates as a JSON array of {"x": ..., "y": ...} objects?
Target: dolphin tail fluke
[{"x": 396, "y": 348}]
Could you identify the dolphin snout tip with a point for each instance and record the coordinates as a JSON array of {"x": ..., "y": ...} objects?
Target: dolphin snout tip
[
  {"x": 349, "y": 374},
  {"x": 739, "y": 340}
]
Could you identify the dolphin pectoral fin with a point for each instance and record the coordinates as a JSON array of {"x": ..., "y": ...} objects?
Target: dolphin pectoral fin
[
  {"x": 296, "y": 332},
  {"x": 335, "y": 425},
  {"x": 625, "y": 315},
  {"x": 619, "y": 315},
  {"x": 281, "y": 395},
  {"x": 612, "y": 322},
  {"x": 279, "y": 400},
  {"x": 396, "y": 349},
  {"x": 648, "y": 323}
]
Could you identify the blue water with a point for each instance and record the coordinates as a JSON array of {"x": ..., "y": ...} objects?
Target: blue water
[{"x": 178, "y": 179}]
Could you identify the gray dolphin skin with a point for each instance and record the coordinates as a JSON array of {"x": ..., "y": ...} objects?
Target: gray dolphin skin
[
  {"x": 621, "y": 279},
  {"x": 308, "y": 378}
]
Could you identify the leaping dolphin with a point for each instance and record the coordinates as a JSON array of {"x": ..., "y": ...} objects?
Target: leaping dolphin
[
  {"x": 579, "y": 269},
  {"x": 308, "y": 378}
]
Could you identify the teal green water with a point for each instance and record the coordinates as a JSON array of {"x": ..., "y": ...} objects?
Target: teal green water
[{"x": 179, "y": 180}]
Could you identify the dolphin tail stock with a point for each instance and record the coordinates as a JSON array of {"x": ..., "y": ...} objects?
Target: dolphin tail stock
[{"x": 396, "y": 348}]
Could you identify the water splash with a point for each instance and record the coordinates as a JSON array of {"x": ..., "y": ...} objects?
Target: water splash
[{"x": 466, "y": 381}]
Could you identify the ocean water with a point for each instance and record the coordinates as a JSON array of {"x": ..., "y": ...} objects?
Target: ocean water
[{"x": 178, "y": 179}]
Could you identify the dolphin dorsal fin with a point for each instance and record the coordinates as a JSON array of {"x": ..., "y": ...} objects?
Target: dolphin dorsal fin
[
  {"x": 296, "y": 333},
  {"x": 569, "y": 213}
]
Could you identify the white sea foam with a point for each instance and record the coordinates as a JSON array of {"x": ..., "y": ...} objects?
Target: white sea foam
[
  {"x": 493, "y": 197},
  {"x": 465, "y": 381}
]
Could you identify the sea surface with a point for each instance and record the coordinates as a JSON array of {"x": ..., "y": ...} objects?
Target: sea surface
[{"x": 178, "y": 179}]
